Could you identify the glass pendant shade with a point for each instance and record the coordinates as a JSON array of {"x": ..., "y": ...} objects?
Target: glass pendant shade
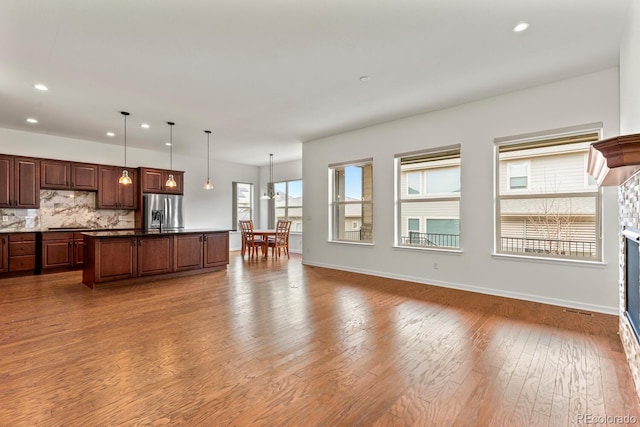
[
  {"x": 125, "y": 179},
  {"x": 208, "y": 185},
  {"x": 171, "y": 182}
]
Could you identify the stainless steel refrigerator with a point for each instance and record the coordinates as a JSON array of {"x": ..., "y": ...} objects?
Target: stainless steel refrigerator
[{"x": 163, "y": 212}]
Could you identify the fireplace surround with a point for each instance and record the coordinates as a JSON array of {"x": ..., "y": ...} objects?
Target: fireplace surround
[{"x": 632, "y": 278}]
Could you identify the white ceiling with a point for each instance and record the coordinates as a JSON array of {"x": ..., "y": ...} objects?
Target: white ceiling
[{"x": 265, "y": 75}]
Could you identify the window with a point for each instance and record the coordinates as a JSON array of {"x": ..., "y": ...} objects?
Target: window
[
  {"x": 288, "y": 203},
  {"x": 242, "y": 202},
  {"x": 432, "y": 218},
  {"x": 554, "y": 214},
  {"x": 413, "y": 182},
  {"x": 518, "y": 175},
  {"x": 351, "y": 201}
]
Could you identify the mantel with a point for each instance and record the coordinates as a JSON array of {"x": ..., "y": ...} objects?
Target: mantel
[{"x": 614, "y": 160}]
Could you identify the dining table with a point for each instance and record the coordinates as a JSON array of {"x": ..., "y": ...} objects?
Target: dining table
[{"x": 265, "y": 234}]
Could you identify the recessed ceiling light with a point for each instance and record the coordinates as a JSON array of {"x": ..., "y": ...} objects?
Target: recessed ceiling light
[
  {"x": 111, "y": 134},
  {"x": 40, "y": 86},
  {"x": 520, "y": 27},
  {"x": 365, "y": 79},
  {"x": 32, "y": 120},
  {"x": 144, "y": 125},
  {"x": 168, "y": 144}
]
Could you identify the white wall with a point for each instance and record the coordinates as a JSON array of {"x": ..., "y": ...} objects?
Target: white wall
[
  {"x": 630, "y": 72},
  {"x": 203, "y": 209},
  {"x": 582, "y": 100}
]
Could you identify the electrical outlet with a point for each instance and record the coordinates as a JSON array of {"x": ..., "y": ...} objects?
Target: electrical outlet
[
  {"x": 435, "y": 266},
  {"x": 5, "y": 218}
]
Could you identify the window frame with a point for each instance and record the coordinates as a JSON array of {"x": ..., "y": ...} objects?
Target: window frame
[
  {"x": 404, "y": 198},
  {"x": 286, "y": 206},
  {"x": 527, "y": 165},
  {"x": 335, "y": 202},
  {"x": 590, "y": 133},
  {"x": 234, "y": 195}
]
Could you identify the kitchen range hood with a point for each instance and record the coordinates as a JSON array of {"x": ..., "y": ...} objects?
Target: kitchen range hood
[{"x": 614, "y": 160}]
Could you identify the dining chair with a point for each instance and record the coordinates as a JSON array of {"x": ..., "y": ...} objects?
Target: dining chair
[
  {"x": 281, "y": 239},
  {"x": 250, "y": 242}
]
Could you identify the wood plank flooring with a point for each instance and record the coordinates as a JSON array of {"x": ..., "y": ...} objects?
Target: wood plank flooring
[{"x": 270, "y": 342}]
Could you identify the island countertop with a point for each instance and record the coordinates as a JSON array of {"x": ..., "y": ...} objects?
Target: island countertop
[{"x": 146, "y": 233}]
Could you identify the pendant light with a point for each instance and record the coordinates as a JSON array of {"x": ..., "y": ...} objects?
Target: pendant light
[
  {"x": 125, "y": 179},
  {"x": 270, "y": 194},
  {"x": 208, "y": 185},
  {"x": 171, "y": 183}
]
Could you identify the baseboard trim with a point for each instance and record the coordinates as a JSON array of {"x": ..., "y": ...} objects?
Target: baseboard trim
[{"x": 477, "y": 289}]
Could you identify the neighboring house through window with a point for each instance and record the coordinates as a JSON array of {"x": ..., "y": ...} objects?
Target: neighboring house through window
[
  {"x": 546, "y": 206},
  {"x": 351, "y": 201},
  {"x": 428, "y": 198}
]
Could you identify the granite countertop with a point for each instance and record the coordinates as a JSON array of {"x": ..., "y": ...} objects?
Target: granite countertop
[{"x": 143, "y": 233}]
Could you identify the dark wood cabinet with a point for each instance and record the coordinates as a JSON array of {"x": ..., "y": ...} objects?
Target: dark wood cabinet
[
  {"x": 155, "y": 255},
  {"x": 78, "y": 249},
  {"x": 135, "y": 257},
  {"x": 84, "y": 176},
  {"x": 115, "y": 259},
  {"x": 57, "y": 250},
  {"x": 63, "y": 175},
  {"x": 112, "y": 194},
  {"x": 4, "y": 253},
  {"x": 55, "y": 174},
  {"x": 19, "y": 182},
  {"x": 22, "y": 252},
  {"x": 187, "y": 252},
  {"x": 154, "y": 180},
  {"x": 62, "y": 250},
  {"x": 216, "y": 249}
]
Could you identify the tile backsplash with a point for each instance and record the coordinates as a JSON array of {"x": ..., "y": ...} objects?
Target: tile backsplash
[{"x": 61, "y": 208}]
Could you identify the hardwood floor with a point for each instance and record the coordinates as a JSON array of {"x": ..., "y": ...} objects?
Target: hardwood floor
[{"x": 271, "y": 342}]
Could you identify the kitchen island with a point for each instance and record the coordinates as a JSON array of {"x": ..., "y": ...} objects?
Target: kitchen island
[{"x": 118, "y": 257}]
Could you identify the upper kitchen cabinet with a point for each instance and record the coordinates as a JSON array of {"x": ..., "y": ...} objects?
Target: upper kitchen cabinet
[
  {"x": 113, "y": 195},
  {"x": 19, "y": 182},
  {"x": 154, "y": 180},
  {"x": 62, "y": 175}
]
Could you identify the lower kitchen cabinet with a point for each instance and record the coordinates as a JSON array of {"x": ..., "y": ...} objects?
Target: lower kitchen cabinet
[
  {"x": 62, "y": 250},
  {"x": 131, "y": 256},
  {"x": 216, "y": 249},
  {"x": 187, "y": 252},
  {"x": 155, "y": 255},
  {"x": 57, "y": 250},
  {"x": 111, "y": 259},
  {"x": 22, "y": 252}
]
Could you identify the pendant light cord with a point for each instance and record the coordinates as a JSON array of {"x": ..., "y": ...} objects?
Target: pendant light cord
[
  {"x": 125, "y": 114},
  {"x": 171, "y": 146}
]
